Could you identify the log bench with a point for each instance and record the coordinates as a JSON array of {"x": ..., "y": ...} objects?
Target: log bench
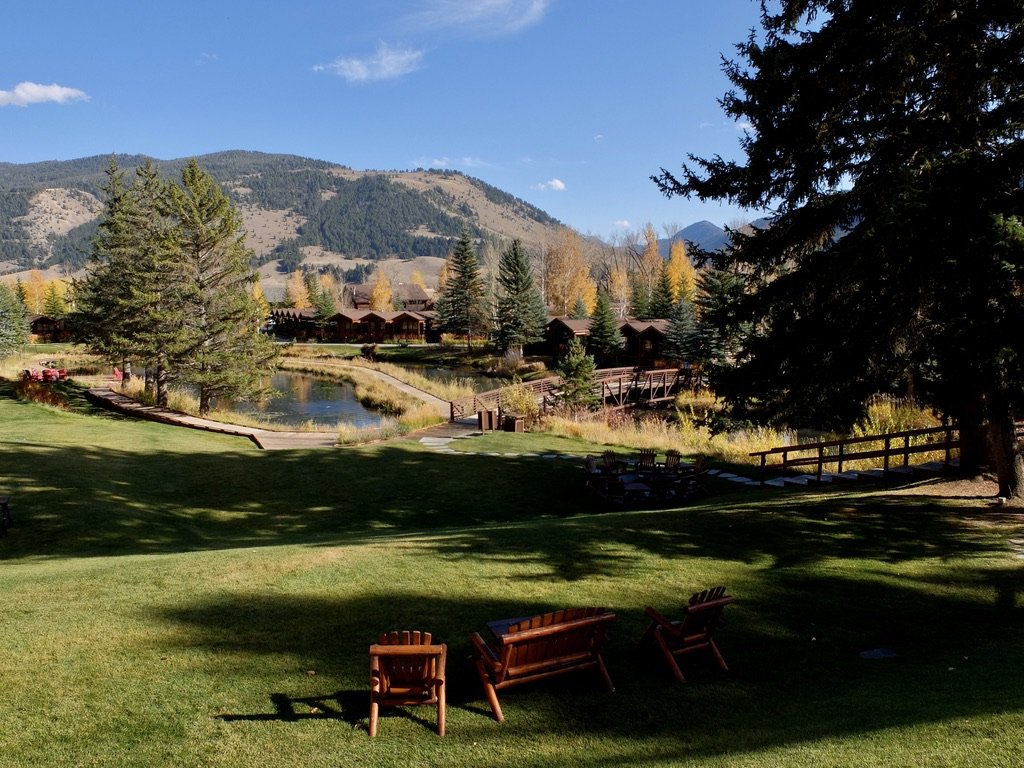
[{"x": 540, "y": 647}]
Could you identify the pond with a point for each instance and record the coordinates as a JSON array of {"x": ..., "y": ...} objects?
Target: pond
[{"x": 303, "y": 398}]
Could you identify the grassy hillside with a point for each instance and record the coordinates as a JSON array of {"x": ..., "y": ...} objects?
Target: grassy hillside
[
  {"x": 48, "y": 210},
  {"x": 178, "y": 598}
]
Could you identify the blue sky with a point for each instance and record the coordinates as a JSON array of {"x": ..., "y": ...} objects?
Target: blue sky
[{"x": 568, "y": 104}]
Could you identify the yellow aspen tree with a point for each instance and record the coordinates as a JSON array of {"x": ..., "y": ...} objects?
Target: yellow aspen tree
[
  {"x": 416, "y": 278},
  {"x": 261, "y": 300},
  {"x": 567, "y": 275},
  {"x": 618, "y": 288},
  {"x": 296, "y": 289},
  {"x": 329, "y": 287},
  {"x": 651, "y": 262},
  {"x": 381, "y": 296},
  {"x": 35, "y": 292},
  {"x": 681, "y": 274}
]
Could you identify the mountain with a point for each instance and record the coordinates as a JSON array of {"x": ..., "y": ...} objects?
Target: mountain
[
  {"x": 705, "y": 236},
  {"x": 295, "y": 209}
]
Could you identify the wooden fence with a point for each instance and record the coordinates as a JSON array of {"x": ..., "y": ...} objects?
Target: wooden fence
[{"x": 894, "y": 445}]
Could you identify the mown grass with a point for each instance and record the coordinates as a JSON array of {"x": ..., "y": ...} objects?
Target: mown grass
[{"x": 180, "y": 598}]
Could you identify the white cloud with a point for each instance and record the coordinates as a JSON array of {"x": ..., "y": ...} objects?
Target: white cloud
[
  {"x": 598, "y": 138},
  {"x": 745, "y": 127},
  {"x": 622, "y": 224},
  {"x": 33, "y": 93},
  {"x": 555, "y": 185},
  {"x": 387, "y": 63},
  {"x": 206, "y": 58},
  {"x": 484, "y": 17}
]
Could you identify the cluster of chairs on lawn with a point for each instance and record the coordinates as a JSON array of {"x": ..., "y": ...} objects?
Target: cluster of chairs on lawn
[
  {"x": 45, "y": 374},
  {"x": 408, "y": 668},
  {"x": 621, "y": 481}
]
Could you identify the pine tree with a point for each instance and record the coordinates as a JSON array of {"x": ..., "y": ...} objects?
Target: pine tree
[
  {"x": 461, "y": 307},
  {"x": 681, "y": 332},
  {"x": 639, "y": 297},
  {"x": 579, "y": 378},
  {"x": 605, "y": 338},
  {"x": 229, "y": 357},
  {"x": 54, "y": 304},
  {"x": 887, "y": 139},
  {"x": 661, "y": 296},
  {"x": 520, "y": 315},
  {"x": 13, "y": 322}
]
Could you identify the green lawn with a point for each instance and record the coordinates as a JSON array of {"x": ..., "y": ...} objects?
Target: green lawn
[{"x": 174, "y": 598}]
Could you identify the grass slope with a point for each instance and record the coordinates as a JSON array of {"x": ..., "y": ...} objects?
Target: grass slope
[{"x": 178, "y": 598}]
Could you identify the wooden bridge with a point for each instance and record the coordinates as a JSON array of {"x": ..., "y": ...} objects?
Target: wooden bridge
[{"x": 617, "y": 388}]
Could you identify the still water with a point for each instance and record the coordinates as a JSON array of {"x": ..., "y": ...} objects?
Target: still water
[{"x": 302, "y": 398}]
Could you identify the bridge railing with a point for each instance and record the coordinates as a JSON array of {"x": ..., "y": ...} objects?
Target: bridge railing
[{"x": 618, "y": 387}]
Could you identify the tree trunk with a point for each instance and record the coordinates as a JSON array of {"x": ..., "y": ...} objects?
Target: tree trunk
[
  {"x": 161, "y": 385},
  {"x": 974, "y": 440},
  {"x": 1007, "y": 456},
  {"x": 204, "y": 401}
]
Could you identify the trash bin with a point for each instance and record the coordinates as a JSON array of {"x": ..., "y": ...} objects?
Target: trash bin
[
  {"x": 513, "y": 423},
  {"x": 487, "y": 420}
]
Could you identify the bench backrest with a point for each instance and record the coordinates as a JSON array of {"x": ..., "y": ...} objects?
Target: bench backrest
[{"x": 560, "y": 638}]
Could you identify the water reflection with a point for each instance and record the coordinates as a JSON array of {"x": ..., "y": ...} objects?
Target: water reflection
[{"x": 302, "y": 398}]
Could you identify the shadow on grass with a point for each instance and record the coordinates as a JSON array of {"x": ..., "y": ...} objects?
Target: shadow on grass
[
  {"x": 796, "y": 676},
  {"x": 100, "y": 501}
]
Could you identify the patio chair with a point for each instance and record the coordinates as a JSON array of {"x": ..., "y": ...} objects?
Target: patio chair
[
  {"x": 693, "y": 632},
  {"x": 672, "y": 460},
  {"x": 407, "y": 668},
  {"x": 646, "y": 462}
]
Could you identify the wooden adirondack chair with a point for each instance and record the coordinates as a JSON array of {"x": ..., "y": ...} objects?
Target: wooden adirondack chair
[
  {"x": 540, "y": 647},
  {"x": 647, "y": 463},
  {"x": 693, "y": 632},
  {"x": 406, "y": 668},
  {"x": 672, "y": 459}
]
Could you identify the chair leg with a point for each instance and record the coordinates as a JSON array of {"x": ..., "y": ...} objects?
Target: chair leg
[
  {"x": 440, "y": 709},
  {"x": 374, "y": 709},
  {"x": 718, "y": 656},
  {"x": 490, "y": 691},
  {"x": 604, "y": 674},
  {"x": 669, "y": 656}
]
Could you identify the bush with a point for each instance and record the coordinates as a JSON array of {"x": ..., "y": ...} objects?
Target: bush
[{"x": 517, "y": 400}]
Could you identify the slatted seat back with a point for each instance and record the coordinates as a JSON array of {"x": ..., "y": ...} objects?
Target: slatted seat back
[
  {"x": 672, "y": 459},
  {"x": 701, "y": 619},
  {"x": 561, "y": 637},
  {"x": 610, "y": 461},
  {"x": 647, "y": 460},
  {"x": 408, "y": 666}
]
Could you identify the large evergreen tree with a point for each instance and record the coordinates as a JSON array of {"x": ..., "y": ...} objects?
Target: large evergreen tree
[
  {"x": 661, "y": 295},
  {"x": 886, "y": 138},
  {"x": 604, "y": 338},
  {"x": 461, "y": 307},
  {"x": 13, "y": 322},
  {"x": 228, "y": 357},
  {"x": 129, "y": 305},
  {"x": 519, "y": 310}
]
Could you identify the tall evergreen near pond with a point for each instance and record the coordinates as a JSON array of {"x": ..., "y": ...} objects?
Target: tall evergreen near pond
[
  {"x": 520, "y": 312},
  {"x": 227, "y": 356},
  {"x": 169, "y": 285},
  {"x": 462, "y": 307}
]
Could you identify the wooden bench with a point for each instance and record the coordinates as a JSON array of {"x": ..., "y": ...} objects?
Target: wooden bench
[{"x": 540, "y": 647}]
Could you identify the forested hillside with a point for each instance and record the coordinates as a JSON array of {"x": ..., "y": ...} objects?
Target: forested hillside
[{"x": 291, "y": 204}]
